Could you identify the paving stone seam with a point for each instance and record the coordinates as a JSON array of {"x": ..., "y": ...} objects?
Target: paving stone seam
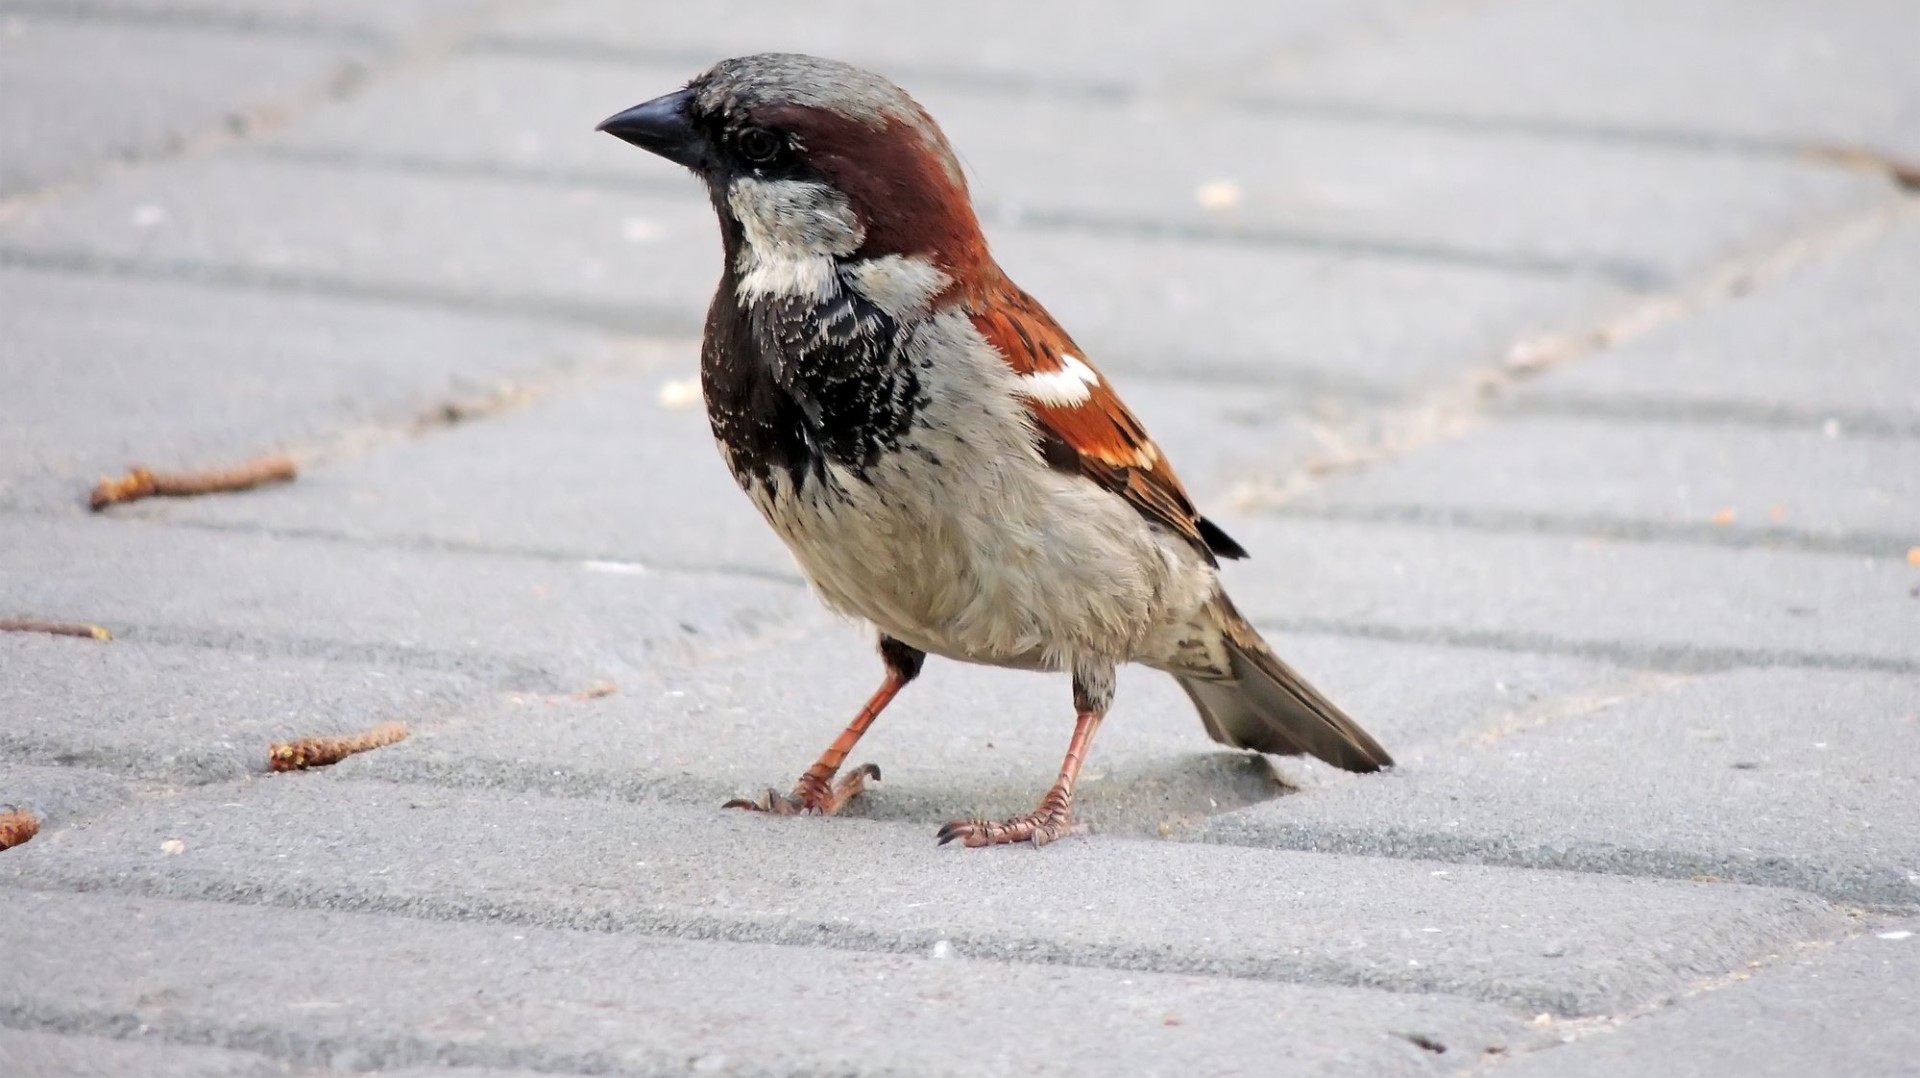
[
  {"x": 637, "y": 317},
  {"x": 180, "y": 884},
  {"x": 1121, "y": 94},
  {"x": 290, "y": 1044},
  {"x": 1636, "y": 654},
  {"x": 1465, "y": 403},
  {"x": 502, "y": 671},
  {"x": 1628, "y": 407},
  {"x": 1869, "y": 892},
  {"x": 238, "y": 23},
  {"x": 1569, "y": 1031},
  {"x": 351, "y": 77},
  {"x": 1846, "y": 543}
]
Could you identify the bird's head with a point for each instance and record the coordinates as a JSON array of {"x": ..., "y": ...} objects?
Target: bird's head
[{"x": 811, "y": 163}]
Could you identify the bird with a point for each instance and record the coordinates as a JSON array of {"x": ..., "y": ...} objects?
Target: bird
[{"x": 940, "y": 458}]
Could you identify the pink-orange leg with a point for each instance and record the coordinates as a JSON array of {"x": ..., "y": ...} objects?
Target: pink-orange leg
[
  {"x": 1054, "y": 818},
  {"x": 817, "y": 792}
]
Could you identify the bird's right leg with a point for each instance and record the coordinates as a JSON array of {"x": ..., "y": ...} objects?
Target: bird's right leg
[{"x": 816, "y": 792}]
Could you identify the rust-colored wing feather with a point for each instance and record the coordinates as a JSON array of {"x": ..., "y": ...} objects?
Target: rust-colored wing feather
[{"x": 1079, "y": 422}]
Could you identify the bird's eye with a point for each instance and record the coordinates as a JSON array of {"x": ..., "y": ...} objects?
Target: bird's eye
[{"x": 759, "y": 145}]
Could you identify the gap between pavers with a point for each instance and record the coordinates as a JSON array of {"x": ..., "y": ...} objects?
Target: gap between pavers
[
  {"x": 190, "y": 716},
  {"x": 529, "y": 623},
  {"x": 1848, "y": 1010},
  {"x": 108, "y": 365},
  {"x": 1677, "y": 606}
]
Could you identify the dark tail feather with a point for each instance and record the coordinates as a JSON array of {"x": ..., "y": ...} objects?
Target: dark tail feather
[{"x": 1268, "y": 707}]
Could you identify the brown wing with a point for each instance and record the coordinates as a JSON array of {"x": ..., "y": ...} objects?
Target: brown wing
[{"x": 1079, "y": 422}]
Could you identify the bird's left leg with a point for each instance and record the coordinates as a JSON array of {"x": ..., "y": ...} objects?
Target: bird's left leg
[
  {"x": 816, "y": 791},
  {"x": 1092, "y": 695}
]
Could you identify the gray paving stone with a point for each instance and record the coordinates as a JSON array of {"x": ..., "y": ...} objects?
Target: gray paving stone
[
  {"x": 1845, "y": 1011},
  {"x": 1568, "y": 943},
  {"x": 109, "y": 373},
  {"x": 1829, "y": 342},
  {"x": 192, "y": 715},
  {"x": 351, "y": 991},
  {"x": 526, "y": 623},
  {"x": 1797, "y": 779},
  {"x": 379, "y": 21},
  {"x": 467, "y": 243},
  {"x": 76, "y": 94},
  {"x": 1669, "y": 605},
  {"x": 1793, "y": 488},
  {"x": 647, "y": 261},
  {"x": 1690, "y": 71},
  {"x": 47, "y": 1054},
  {"x": 1113, "y": 45},
  {"x": 56, "y": 796}
]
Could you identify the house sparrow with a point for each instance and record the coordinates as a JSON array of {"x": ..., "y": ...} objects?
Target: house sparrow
[{"x": 940, "y": 457}]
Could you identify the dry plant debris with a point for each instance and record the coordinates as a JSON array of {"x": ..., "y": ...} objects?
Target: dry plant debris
[
  {"x": 142, "y": 483},
  {"x": 57, "y": 628},
  {"x": 322, "y": 751},
  {"x": 17, "y": 827}
]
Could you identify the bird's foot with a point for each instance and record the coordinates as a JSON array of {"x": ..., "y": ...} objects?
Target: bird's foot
[
  {"x": 811, "y": 795},
  {"x": 1043, "y": 825}
]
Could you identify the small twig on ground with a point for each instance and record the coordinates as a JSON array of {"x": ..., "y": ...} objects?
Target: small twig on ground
[
  {"x": 57, "y": 628},
  {"x": 596, "y": 691},
  {"x": 16, "y": 827},
  {"x": 141, "y": 483},
  {"x": 322, "y": 751}
]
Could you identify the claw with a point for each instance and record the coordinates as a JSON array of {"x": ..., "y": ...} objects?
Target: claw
[
  {"x": 810, "y": 796},
  {"x": 1039, "y": 828}
]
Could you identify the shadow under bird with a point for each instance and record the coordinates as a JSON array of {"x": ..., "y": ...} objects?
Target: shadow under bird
[{"x": 940, "y": 457}]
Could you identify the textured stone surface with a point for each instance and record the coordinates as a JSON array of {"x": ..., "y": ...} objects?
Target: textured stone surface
[
  {"x": 584, "y": 1002},
  {"x": 193, "y": 715},
  {"x": 1569, "y": 943},
  {"x": 1794, "y": 779},
  {"x": 109, "y": 372},
  {"x": 1085, "y": 44},
  {"x": 75, "y": 95},
  {"x": 1844, "y": 1011},
  {"x": 535, "y": 624},
  {"x": 1685, "y": 73},
  {"x": 1827, "y": 349},
  {"x": 1678, "y": 605},
  {"x": 1787, "y": 488}
]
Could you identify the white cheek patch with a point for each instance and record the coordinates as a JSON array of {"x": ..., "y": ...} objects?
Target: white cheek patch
[{"x": 1070, "y": 385}]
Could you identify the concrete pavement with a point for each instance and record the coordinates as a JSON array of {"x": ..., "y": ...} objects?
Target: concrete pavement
[{"x": 1555, "y": 360}]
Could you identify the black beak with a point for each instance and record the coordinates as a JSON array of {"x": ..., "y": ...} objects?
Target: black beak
[{"x": 661, "y": 126}]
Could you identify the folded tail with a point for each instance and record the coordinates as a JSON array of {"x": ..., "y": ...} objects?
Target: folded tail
[{"x": 1263, "y": 704}]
